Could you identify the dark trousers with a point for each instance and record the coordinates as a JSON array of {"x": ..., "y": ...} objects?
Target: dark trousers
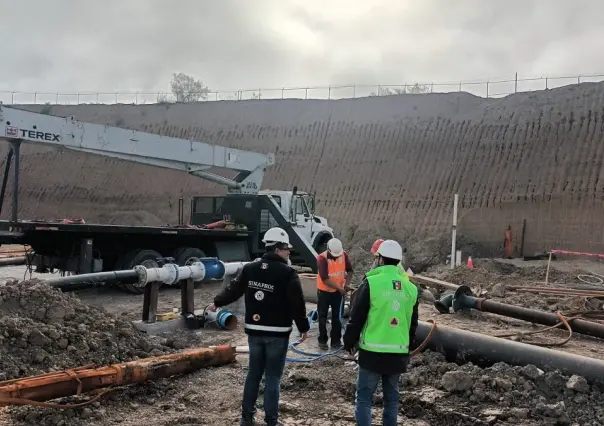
[
  {"x": 266, "y": 358},
  {"x": 326, "y": 300}
]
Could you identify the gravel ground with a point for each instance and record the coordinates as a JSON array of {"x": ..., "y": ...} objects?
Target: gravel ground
[{"x": 40, "y": 327}]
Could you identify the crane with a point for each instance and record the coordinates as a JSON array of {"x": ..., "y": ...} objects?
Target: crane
[
  {"x": 146, "y": 148},
  {"x": 119, "y": 246}
]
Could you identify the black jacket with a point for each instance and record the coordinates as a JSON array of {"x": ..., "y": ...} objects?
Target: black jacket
[
  {"x": 273, "y": 297},
  {"x": 381, "y": 363}
]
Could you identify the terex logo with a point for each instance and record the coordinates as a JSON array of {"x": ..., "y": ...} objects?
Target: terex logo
[
  {"x": 42, "y": 136},
  {"x": 11, "y": 131}
]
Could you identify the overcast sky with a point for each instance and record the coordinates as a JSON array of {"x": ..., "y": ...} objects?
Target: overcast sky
[{"x": 136, "y": 45}]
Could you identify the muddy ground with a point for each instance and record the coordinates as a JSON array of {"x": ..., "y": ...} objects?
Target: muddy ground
[{"x": 42, "y": 330}]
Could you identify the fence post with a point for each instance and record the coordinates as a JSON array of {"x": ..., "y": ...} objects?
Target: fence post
[
  {"x": 282, "y": 92},
  {"x": 379, "y": 89},
  {"x": 546, "y": 81},
  {"x": 35, "y": 98},
  {"x": 136, "y": 99},
  {"x": 12, "y": 98},
  {"x": 306, "y": 93},
  {"x": 78, "y": 99},
  {"x": 116, "y": 97},
  {"x": 432, "y": 87},
  {"x": 460, "y": 86},
  {"x": 487, "y": 89},
  {"x": 579, "y": 79},
  {"x": 97, "y": 98},
  {"x": 329, "y": 93},
  {"x": 354, "y": 91},
  {"x": 57, "y": 99},
  {"x": 516, "y": 83}
]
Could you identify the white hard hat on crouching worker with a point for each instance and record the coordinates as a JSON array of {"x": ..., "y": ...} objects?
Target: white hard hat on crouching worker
[
  {"x": 276, "y": 236},
  {"x": 391, "y": 249},
  {"x": 334, "y": 246}
]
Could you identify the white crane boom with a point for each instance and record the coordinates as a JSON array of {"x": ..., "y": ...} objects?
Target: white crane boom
[{"x": 140, "y": 147}]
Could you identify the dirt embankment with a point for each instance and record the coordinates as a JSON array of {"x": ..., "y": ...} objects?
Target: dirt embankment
[{"x": 396, "y": 160}]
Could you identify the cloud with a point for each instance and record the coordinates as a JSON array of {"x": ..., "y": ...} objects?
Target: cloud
[{"x": 136, "y": 45}]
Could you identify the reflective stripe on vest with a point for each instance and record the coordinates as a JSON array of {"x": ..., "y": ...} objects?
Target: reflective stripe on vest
[
  {"x": 392, "y": 298},
  {"x": 267, "y": 328},
  {"x": 336, "y": 270}
]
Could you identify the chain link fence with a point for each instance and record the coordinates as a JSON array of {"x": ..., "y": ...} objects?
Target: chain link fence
[{"x": 486, "y": 89}]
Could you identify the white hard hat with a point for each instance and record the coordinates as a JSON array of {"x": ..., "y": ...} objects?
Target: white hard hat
[
  {"x": 276, "y": 235},
  {"x": 391, "y": 249},
  {"x": 334, "y": 246}
]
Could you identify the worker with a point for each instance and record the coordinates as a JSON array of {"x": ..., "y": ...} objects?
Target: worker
[
  {"x": 383, "y": 322},
  {"x": 374, "y": 250},
  {"x": 273, "y": 299},
  {"x": 507, "y": 242},
  {"x": 333, "y": 281}
]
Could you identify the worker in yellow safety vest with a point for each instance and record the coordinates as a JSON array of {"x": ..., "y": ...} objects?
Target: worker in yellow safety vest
[{"x": 383, "y": 323}]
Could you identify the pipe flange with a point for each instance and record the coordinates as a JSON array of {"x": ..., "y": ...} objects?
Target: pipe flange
[
  {"x": 141, "y": 271},
  {"x": 443, "y": 305},
  {"x": 460, "y": 298},
  {"x": 173, "y": 273}
]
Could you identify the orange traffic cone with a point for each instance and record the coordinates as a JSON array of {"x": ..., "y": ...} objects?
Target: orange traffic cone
[{"x": 470, "y": 263}]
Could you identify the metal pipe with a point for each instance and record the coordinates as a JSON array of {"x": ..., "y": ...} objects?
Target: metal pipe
[
  {"x": 61, "y": 384},
  {"x": 9, "y": 261},
  {"x": 170, "y": 274},
  {"x": 96, "y": 279},
  {"x": 464, "y": 345},
  {"x": 223, "y": 318},
  {"x": 464, "y": 299}
]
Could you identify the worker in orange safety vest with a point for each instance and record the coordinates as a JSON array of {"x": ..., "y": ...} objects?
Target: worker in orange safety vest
[{"x": 333, "y": 281}]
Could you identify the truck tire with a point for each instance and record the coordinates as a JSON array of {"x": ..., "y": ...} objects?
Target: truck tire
[
  {"x": 147, "y": 258},
  {"x": 184, "y": 255}
]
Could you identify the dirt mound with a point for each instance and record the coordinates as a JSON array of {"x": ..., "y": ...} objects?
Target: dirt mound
[
  {"x": 490, "y": 278},
  {"x": 43, "y": 330}
]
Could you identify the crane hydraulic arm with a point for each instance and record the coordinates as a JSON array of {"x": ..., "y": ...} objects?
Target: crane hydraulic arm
[{"x": 179, "y": 154}]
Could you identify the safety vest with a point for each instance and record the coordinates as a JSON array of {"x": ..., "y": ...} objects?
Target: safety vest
[
  {"x": 392, "y": 298},
  {"x": 336, "y": 268}
]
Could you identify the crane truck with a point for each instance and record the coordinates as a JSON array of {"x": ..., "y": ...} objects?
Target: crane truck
[{"x": 244, "y": 213}]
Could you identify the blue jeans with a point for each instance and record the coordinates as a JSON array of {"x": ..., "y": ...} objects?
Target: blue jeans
[
  {"x": 367, "y": 382},
  {"x": 266, "y": 358}
]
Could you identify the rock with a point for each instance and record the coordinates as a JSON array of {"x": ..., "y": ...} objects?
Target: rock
[
  {"x": 577, "y": 384},
  {"x": 498, "y": 290},
  {"x": 519, "y": 413},
  {"x": 532, "y": 372},
  {"x": 457, "y": 381},
  {"x": 36, "y": 338}
]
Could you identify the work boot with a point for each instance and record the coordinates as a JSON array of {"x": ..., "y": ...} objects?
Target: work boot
[
  {"x": 336, "y": 346},
  {"x": 247, "y": 421},
  {"x": 274, "y": 424},
  {"x": 323, "y": 346}
]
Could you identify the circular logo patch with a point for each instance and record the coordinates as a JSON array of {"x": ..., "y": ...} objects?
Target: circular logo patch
[
  {"x": 259, "y": 295},
  {"x": 256, "y": 317}
]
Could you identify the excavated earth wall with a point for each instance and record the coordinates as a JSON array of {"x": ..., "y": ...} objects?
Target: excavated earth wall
[{"x": 399, "y": 159}]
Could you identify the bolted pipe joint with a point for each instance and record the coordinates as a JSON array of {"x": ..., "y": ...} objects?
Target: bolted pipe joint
[
  {"x": 170, "y": 273},
  {"x": 464, "y": 299}
]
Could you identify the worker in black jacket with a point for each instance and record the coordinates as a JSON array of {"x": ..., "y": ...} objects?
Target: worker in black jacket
[
  {"x": 383, "y": 321},
  {"x": 273, "y": 300}
]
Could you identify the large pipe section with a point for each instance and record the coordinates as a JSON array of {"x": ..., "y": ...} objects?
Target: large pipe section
[
  {"x": 62, "y": 384},
  {"x": 464, "y": 299},
  {"x": 482, "y": 349},
  {"x": 204, "y": 269}
]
